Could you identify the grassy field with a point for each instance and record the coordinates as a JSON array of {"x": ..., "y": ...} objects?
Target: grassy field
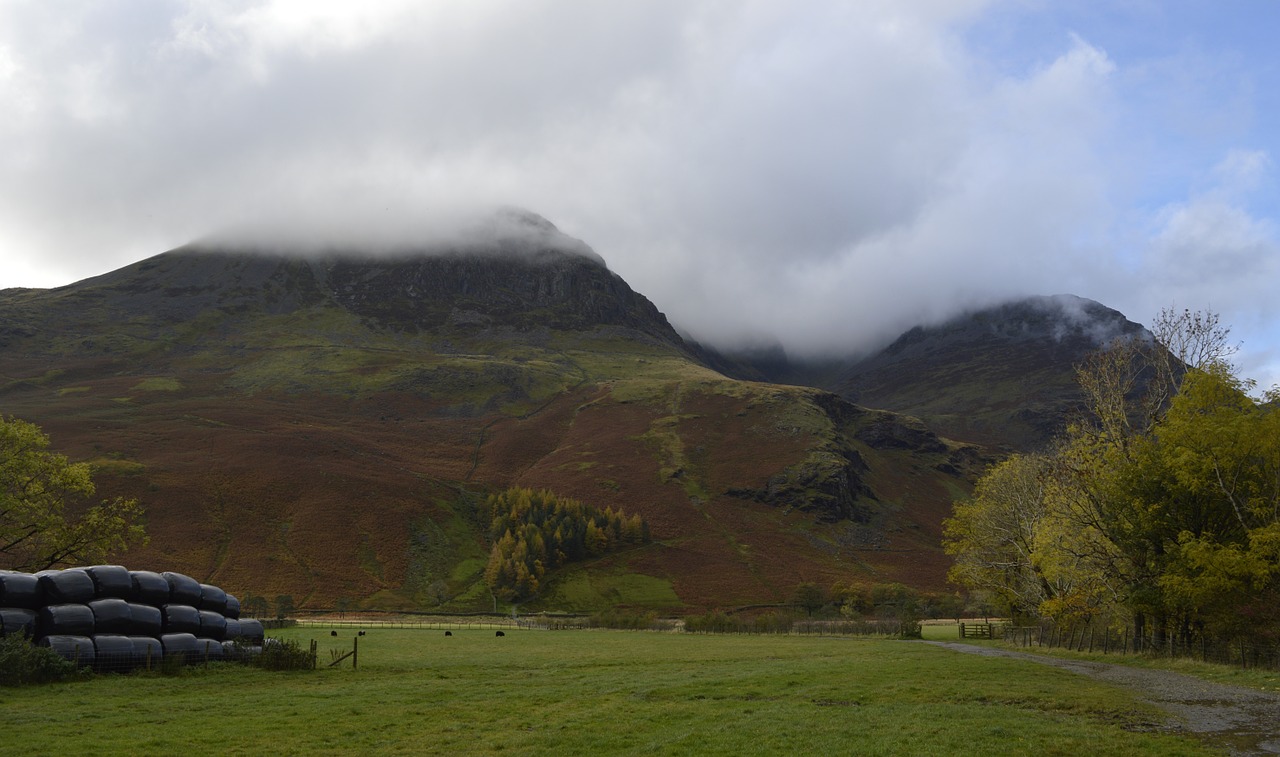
[{"x": 595, "y": 692}]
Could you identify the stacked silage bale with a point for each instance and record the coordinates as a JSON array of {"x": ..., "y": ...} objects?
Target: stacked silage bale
[{"x": 112, "y": 618}]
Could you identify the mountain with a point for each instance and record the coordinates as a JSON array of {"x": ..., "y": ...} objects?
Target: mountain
[
  {"x": 1002, "y": 377},
  {"x": 328, "y": 426}
]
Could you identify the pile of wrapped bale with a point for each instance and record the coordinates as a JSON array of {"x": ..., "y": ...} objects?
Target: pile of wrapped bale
[{"x": 114, "y": 619}]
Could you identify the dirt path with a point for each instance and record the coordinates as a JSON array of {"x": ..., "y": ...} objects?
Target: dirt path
[{"x": 1241, "y": 720}]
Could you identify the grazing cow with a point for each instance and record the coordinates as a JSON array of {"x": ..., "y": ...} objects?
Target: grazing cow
[
  {"x": 362, "y": 633},
  {"x": 448, "y": 633},
  {"x": 333, "y": 633},
  {"x": 499, "y": 634}
]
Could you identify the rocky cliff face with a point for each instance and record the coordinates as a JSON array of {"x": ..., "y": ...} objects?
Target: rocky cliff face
[{"x": 478, "y": 289}]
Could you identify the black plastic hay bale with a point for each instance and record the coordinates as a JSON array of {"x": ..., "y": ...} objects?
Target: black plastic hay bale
[
  {"x": 111, "y": 616},
  {"x": 66, "y": 620},
  {"x": 147, "y": 652},
  {"x": 233, "y": 607},
  {"x": 78, "y": 649},
  {"x": 149, "y": 588},
  {"x": 251, "y": 631},
  {"x": 183, "y": 590},
  {"x": 61, "y": 587},
  {"x": 20, "y": 590},
  {"x": 111, "y": 581},
  {"x": 208, "y": 650},
  {"x": 179, "y": 645},
  {"x": 180, "y": 619},
  {"x": 233, "y": 630},
  {"x": 17, "y": 620},
  {"x": 112, "y": 653},
  {"x": 212, "y": 598},
  {"x": 212, "y": 625},
  {"x": 145, "y": 620}
]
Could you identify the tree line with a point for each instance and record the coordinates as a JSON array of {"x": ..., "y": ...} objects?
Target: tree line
[
  {"x": 536, "y": 531},
  {"x": 1159, "y": 508}
]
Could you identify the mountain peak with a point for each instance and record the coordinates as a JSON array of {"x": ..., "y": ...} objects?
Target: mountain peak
[
  {"x": 1000, "y": 375},
  {"x": 1057, "y": 318},
  {"x": 506, "y": 272}
]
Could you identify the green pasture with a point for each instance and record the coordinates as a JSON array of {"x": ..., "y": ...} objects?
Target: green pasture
[{"x": 594, "y": 693}]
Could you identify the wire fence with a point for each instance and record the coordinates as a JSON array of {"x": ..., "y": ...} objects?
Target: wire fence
[
  {"x": 436, "y": 624},
  {"x": 721, "y": 623},
  {"x": 1094, "y": 638}
]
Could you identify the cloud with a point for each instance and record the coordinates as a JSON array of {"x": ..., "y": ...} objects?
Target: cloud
[
  {"x": 1211, "y": 251},
  {"x": 826, "y": 174}
]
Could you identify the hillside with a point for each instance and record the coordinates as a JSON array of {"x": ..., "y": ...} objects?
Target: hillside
[{"x": 327, "y": 426}]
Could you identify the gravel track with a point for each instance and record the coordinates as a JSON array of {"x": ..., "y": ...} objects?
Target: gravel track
[{"x": 1240, "y": 720}]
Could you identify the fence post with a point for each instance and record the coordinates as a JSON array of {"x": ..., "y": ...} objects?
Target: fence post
[{"x": 355, "y": 651}]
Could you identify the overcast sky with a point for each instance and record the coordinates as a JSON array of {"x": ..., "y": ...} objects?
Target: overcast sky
[{"x": 823, "y": 173}]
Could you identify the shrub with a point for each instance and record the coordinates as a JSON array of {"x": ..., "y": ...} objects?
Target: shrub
[
  {"x": 284, "y": 654},
  {"x": 23, "y": 663},
  {"x": 630, "y": 621},
  {"x": 911, "y": 628},
  {"x": 712, "y": 622}
]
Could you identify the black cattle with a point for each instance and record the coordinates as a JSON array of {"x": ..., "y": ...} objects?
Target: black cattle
[
  {"x": 362, "y": 633},
  {"x": 499, "y": 634},
  {"x": 448, "y": 633},
  {"x": 333, "y": 633}
]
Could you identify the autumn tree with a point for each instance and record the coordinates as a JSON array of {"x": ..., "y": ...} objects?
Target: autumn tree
[
  {"x": 993, "y": 535},
  {"x": 36, "y": 488},
  {"x": 1162, "y": 502},
  {"x": 1223, "y": 449},
  {"x": 1116, "y": 498}
]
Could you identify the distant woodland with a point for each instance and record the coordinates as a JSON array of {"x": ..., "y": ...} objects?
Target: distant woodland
[{"x": 537, "y": 531}]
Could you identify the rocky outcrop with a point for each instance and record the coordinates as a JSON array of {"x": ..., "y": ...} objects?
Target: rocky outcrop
[
  {"x": 828, "y": 483},
  {"x": 485, "y": 288}
]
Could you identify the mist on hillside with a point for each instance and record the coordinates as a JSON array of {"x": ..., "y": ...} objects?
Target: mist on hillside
[{"x": 383, "y": 230}]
